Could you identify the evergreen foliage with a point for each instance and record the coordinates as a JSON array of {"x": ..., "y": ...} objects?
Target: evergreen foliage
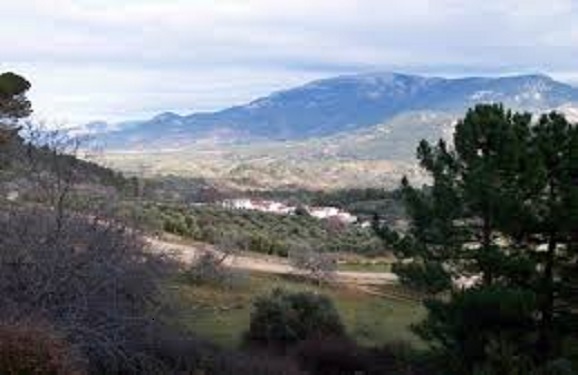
[
  {"x": 285, "y": 318},
  {"x": 499, "y": 218}
]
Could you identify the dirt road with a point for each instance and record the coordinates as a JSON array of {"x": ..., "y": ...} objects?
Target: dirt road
[{"x": 266, "y": 264}]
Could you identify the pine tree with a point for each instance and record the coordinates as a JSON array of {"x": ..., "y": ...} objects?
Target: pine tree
[
  {"x": 14, "y": 104},
  {"x": 456, "y": 223},
  {"x": 554, "y": 210},
  {"x": 500, "y": 220}
]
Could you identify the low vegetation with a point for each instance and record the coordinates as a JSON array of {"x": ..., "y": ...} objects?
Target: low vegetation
[
  {"x": 92, "y": 281},
  {"x": 33, "y": 347},
  {"x": 261, "y": 232}
]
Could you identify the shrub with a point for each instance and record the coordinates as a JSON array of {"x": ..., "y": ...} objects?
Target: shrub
[
  {"x": 186, "y": 355},
  {"x": 35, "y": 349},
  {"x": 285, "y": 318},
  {"x": 93, "y": 280},
  {"x": 342, "y": 356},
  {"x": 331, "y": 356}
]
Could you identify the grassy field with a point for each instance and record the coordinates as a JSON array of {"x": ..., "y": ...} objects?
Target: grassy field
[{"x": 222, "y": 315}]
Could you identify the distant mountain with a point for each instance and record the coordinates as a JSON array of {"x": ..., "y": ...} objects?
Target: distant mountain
[
  {"x": 348, "y": 131},
  {"x": 336, "y": 105}
]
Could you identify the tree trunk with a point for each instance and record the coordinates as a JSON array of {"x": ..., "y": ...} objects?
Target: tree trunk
[
  {"x": 547, "y": 309},
  {"x": 545, "y": 344},
  {"x": 488, "y": 275}
]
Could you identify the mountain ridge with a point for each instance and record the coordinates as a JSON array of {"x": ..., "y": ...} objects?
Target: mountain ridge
[{"x": 333, "y": 105}]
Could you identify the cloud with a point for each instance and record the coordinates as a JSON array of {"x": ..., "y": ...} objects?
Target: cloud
[{"x": 124, "y": 59}]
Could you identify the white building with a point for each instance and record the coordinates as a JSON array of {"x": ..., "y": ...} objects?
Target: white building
[
  {"x": 258, "y": 205},
  {"x": 332, "y": 213},
  {"x": 322, "y": 213}
]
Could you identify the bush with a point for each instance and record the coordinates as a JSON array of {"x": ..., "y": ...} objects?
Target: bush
[
  {"x": 93, "y": 280},
  {"x": 190, "y": 356},
  {"x": 331, "y": 356},
  {"x": 341, "y": 356},
  {"x": 35, "y": 349},
  {"x": 285, "y": 318}
]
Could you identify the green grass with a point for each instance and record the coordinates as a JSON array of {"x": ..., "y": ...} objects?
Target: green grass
[{"x": 222, "y": 315}]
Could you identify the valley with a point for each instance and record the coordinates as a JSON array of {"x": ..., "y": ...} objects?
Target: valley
[
  {"x": 260, "y": 187},
  {"x": 374, "y": 157},
  {"x": 238, "y": 251}
]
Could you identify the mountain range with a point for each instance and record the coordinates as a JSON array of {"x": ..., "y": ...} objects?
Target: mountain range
[
  {"x": 335, "y": 105},
  {"x": 364, "y": 118}
]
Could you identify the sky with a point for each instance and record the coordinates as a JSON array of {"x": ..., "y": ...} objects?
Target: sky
[{"x": 117, "y": 60}]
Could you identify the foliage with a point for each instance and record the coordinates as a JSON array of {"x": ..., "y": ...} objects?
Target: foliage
[
  {"x": 285, "y": 318},
  {"x": 331, "y": 356},
  {"x": 500, "y": 216},
  {"x": 182, "y": 353},
  {"x": 263, "y": 232},
  {"x": 94, "y": 281},
  {"x": 342, "y": 356},
  {"x": 33, "y": 348},
  {"x": 472, "y": 321},
  {"x": 42, "y": 166},
  {"x": 13, "y": 102}
]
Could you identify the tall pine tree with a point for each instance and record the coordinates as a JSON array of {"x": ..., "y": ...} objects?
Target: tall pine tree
[
  {"x": 494, "y": 240},
  {"x": 456, "y": 222},
  {"x": 552, "y": 237}
]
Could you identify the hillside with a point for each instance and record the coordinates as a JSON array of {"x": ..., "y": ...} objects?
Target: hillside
[{"x": 34, "y": 173}]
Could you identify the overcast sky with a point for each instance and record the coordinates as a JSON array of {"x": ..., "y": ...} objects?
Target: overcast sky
[{"x": 130, "y": 59}]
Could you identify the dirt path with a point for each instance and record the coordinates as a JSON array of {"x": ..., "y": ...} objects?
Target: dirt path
[{"x": 267, "y": 264}]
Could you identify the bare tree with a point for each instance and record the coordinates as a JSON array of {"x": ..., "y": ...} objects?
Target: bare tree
[
  {"x": 52, "y": 164},
  {"x": 210, "y": 266},
  {"x": 228, "y": 246},
  {"x": 316, "y": 264}
]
